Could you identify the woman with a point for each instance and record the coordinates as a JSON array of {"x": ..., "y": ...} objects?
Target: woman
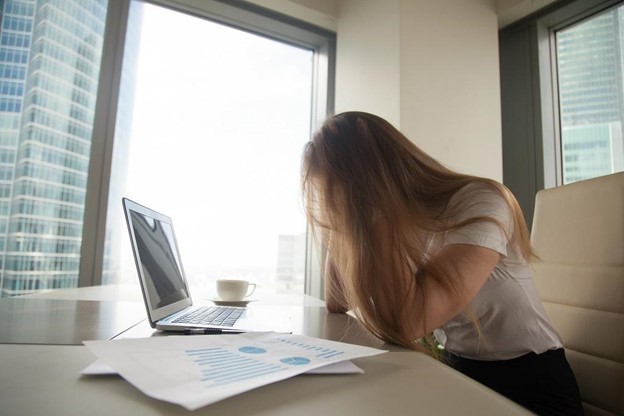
[{"x": 424, "y": 255}]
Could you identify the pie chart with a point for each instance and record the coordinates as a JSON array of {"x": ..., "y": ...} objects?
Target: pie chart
[{"x": 295, "y": 361}]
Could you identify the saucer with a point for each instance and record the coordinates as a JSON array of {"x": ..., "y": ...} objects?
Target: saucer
[{"x": 241, "y": 303}]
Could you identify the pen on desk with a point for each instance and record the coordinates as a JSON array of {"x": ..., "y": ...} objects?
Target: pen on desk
[{"x": 210, "y": 331}]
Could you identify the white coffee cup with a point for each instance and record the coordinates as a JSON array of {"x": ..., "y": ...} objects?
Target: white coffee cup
[{"x": 234, "y": 290}]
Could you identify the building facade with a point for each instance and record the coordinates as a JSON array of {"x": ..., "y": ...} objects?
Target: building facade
[
  {"x": 50, "y": 52},
  {"x": 592, "y": 96}
]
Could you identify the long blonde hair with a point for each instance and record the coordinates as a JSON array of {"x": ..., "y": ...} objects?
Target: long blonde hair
[{"x": 359, "y": 170}]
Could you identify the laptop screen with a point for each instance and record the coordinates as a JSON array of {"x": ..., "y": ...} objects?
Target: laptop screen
[{"x": 156, "y": 255}]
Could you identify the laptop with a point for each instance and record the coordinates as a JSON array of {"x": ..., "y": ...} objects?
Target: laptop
[{"x": 165, "y": 290}]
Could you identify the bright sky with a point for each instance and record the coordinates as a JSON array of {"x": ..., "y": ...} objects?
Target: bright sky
[{"x": 220, "y": 120}]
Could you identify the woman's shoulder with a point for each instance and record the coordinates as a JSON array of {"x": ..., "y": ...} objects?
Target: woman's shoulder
[
  {"x": 480, "y": 198},
  {"x": 480, "y": 190}
]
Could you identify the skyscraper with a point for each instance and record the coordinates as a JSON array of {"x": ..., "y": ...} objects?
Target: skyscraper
[
  {"x": 50, "y": 52},
  {"x": 592, "y": 96}
]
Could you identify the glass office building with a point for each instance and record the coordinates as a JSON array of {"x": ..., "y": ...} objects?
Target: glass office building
[
  {"x": 50, "y": 53},
  {"x": 591, "y": 95}
]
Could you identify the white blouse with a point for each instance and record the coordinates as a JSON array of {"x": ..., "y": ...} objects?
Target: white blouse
[{"x": 511, "y": 317}]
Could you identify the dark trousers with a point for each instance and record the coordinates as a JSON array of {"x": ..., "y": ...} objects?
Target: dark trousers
[{"x": 543, "y": 383}]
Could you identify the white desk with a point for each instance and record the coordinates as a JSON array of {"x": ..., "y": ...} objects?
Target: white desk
[{"x": 45, "y": 379}]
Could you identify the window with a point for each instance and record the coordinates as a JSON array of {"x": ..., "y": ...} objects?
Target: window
[
  {"x": 562, "y": 96},
  {"x": 591, "y": 96},
  {"x": 219, "y": 119},
  {"x": 211, "y": 134},
  {"x": 60, "y": 107}
]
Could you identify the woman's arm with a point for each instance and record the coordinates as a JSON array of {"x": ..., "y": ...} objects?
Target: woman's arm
[
  {"x": 335, "y": 300},
  {"x": 468, "y": 267}
]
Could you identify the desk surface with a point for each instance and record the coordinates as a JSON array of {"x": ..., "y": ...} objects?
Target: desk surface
[
  {"x": 45, "y": 379},
  {"x": 64, "y": 321}
]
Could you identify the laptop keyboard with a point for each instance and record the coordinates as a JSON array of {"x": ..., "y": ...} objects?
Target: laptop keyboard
[{"x": 211, "y": 315}]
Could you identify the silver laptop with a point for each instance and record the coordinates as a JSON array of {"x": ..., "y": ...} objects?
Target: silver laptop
[{"x": 165, "y": 289}]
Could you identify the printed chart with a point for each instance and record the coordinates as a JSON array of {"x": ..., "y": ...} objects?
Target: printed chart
[
  {"x": 221, "y": 366},
  {"x": 194, "y": 371}
]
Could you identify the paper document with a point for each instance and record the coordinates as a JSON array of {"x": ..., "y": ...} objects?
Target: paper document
[
  {"x": 194, "y": 371},
  {"x": 99, "y": 368}
]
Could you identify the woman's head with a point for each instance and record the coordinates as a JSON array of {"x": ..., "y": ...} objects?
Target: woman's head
[{"x": 358, "y": 166}]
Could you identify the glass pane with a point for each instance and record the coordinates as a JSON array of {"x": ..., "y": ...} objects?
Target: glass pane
[
  {"x": 219, "y": 120},
  {"x": 50, "y": 53},
  {"x": 589, "y": 57}
]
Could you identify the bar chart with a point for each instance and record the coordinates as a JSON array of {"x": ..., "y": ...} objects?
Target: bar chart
[{"x": 221, "y": 366}]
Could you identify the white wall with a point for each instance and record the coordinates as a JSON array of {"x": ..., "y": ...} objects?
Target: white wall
[
  {"x": 368, "y": 61},
  {"x": 450, "y": 102},
  {"x": 429, "y": 67}
]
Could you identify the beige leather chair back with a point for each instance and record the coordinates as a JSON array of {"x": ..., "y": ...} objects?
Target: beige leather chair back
[{"x": 578, "y": 233}]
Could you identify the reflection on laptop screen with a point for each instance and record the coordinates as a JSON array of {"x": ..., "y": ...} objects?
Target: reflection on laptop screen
[{"x": 159, "y": 260}]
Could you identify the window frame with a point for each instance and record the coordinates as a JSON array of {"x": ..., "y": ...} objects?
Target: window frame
[
  {"x": 234, "y": 13},
  {"x": 532, "y": 157}
]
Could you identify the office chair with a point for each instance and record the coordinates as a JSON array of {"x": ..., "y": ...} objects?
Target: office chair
[{"x": 578, "y": 235}]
